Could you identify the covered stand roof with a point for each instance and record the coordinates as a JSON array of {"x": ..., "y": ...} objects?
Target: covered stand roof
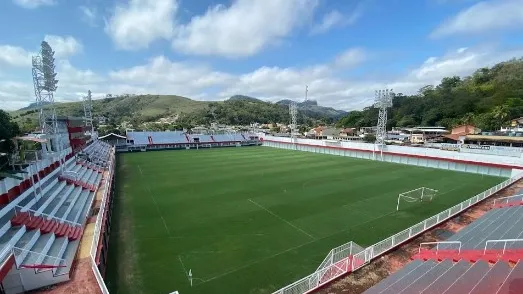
[{"x": 112, "y": 134}]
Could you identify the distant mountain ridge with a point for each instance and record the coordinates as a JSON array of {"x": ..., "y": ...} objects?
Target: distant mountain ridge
[
  {"x": 238, "y": 109},
  {"x": 312, "y": 109},
  {"x": 33, "y": 105}
]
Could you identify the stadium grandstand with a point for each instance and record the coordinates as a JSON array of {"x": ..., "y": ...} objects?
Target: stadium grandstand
[{"x": 142, "y": 141}]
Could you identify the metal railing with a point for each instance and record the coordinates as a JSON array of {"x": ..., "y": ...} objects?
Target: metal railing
[
  {"x": 98, "y": 227},
  {"x": 504, "y": 241},
  {"x": 52, "y": 262},
  {"x": 505, "y": 200},
  {"x": 35, "y": 214},
  {"x": 358, "y": 260},
  {"x": 439, "y": 243}
]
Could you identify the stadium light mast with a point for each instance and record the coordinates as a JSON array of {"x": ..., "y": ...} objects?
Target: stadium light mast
[
  {"x": 306, "y": 93},
  {"x": 383, "y": 101},
  {"x": 45, "y": 84},
  {"x": 88, "y": 111},
  {"x": 293, "y": 112}
]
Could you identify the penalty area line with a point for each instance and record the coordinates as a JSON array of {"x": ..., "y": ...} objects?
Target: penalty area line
[{"x": 280, "y": 218}]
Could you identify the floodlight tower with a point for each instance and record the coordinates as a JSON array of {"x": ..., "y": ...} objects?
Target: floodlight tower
[
  {"x": 293, "y": 112},
  {"x": 88, "y": 111},
  {"x": 383, "y": 101},
  {"x": 45, "y": 84},
  {"x": 306, "y": 93}
]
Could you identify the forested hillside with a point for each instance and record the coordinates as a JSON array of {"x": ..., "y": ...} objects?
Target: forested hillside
[
  {"x": 238, "y": 110},
  {"x": 489, "y": 98}
]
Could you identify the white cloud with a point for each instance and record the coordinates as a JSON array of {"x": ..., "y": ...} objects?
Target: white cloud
[
  {"x": 350, "y": 57},
  {"x": 242, "y": 29},
  {"x": 89, "y": 15},
  {"x": 160, "y": 75},
  {"x": 325, "y": 86},
  {"x": 64, "y": 46},
  {"x": 15, "y": 56},
  {"x": 329, "y": 20},
  {"x": 482, "y": 17},
  {"x": 34, "y": 3},
  {"x": 336, "y": 19},
  {"x": 171, "y": 77},
  {"x": 15, "y": 95},
  {"x": 460, "y": 62},
  {"x": 141, "y": 22}
]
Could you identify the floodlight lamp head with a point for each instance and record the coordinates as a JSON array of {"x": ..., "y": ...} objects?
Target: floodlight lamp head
[{"x": 383, "y": 98}]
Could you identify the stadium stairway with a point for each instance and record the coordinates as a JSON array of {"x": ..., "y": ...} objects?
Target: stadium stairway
[{"x": 431, "y": 277}]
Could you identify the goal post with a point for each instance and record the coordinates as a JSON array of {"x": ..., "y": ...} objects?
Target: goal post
[{"x": 416, "y": 195}]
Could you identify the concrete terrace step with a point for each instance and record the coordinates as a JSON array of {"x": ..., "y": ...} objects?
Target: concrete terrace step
[
  {"x": 424, "y": 280},
  {"x": 28, "y": 239},
  {"x": 53, "y": 256},
  {"x": 467, "y": 281},
  {"x": 387, "y": 282},
  {"x": 68, "y": 257},
  {"x": 68, "y": 203},
  {"x": 57, "y": 199},
  {"x": 51, "y": 201},
  {"x": 39, "y": 249},
  {"x": 491, "y": 282},
  {"x": 76, "y": 210},
  {"x": 57, "y": 188},
  {"x": 447, "y": 278},
  {"x": 82, "y": 213}
]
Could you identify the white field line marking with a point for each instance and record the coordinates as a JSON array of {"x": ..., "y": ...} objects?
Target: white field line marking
[
  {"x": 292, "y": 248},
  {"x": 156, "y": 205},
  {"x": 280, "y": 218},
  {"x": 183, "y": 266}
]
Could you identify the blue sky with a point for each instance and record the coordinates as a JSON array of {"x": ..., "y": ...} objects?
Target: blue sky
[{"x": 270, "y": 49}]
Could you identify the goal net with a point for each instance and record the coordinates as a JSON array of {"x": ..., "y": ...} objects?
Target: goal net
[{"x": 416, "y": 195}]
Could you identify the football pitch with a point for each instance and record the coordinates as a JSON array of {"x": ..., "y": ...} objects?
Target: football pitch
[{"x": 253, "y": 219}]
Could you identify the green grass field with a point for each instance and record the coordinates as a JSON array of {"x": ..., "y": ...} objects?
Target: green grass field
[{"x": 251, "y": 220}]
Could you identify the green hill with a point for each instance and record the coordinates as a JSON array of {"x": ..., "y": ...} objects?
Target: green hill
[
  {"x": 489, "y": 99},
  {"x": 136, "y": 109},
  {"x": 238, "y": 110}
]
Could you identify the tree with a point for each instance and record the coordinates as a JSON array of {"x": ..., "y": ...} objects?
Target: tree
[
  {"x": 8, "y": 130},
  {"x": 489, "y": 98}
]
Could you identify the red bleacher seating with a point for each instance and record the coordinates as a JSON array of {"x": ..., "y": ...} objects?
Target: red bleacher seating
[
  {"x": 79, "y": 183},
  {"x": 90, "y": 166},
  {"x": 490, "y": 255},
  {"x": 47, "y": 225}
]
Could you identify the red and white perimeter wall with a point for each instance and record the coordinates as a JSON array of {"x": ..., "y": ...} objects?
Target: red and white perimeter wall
[{"x": 495, "y": 165}]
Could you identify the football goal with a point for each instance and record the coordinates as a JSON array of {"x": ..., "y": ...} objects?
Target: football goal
[{"x": 416, "y": 195}]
